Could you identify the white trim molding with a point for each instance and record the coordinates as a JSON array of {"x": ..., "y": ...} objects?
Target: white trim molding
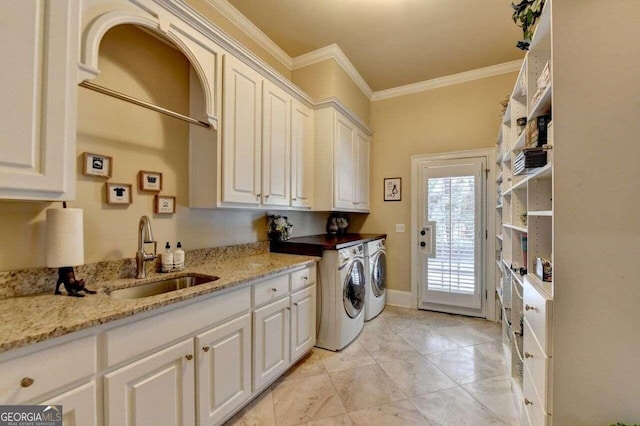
[
  {"x": 249, "y": 28},
  {"x": 334, "y": 52},
  {"x": 399, "y": 298},
  {"x": 449, "y": 80}
]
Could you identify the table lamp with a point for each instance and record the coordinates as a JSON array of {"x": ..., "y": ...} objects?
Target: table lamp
[{"x": 65, "y": 248}]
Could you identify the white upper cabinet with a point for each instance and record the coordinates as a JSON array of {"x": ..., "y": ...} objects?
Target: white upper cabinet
[
  {"x": 38, "y": 102},
  {"x": 301, "y": 155},
  {"x": 241, "y": 133},
  {"x": 342, "y": 163},
  {"x": 276, "y": 145}
]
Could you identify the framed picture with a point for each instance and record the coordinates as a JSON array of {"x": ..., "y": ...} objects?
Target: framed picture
[
  {"x": 97, "y": 165},
  {"x": 393, "y": 189},
  {"x": 149, "y": 181},
  {"x": 118, "y": 193},
  {"x": 165, "y": 204}
]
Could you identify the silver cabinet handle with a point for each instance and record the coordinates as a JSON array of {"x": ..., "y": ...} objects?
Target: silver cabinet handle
[
  {"x": 529, "y": 308},
  {"x": 274, "y": 289},
  {"x": 528, "y": 355},
  {"x": 189, "y": 357},
  {"x": 205, "y": 348},
  {"x": 527, "y": 402}
]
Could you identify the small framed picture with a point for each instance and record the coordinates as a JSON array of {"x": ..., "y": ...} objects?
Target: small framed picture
[
  {"x": 118, "y": 193},
  {"x": 393, "y": 189},
  {"x": 97, "y": 165},
  {"x": 165, "y": 204},
  {"x": 149, "y": 181}
]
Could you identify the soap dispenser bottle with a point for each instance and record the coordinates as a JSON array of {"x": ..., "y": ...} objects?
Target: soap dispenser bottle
[
  {"x": 178, "y": 257},
  {"x": 167, "y": 258}
]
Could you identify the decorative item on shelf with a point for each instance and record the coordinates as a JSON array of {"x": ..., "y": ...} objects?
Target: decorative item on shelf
[
  {"x": 523, "y": 218},
  {"x": 544, "y": 270},
  {"x": 337, "y": 223},
  {"x": 504, "y": 103},
  {"x": 523, "y": 247},
  {"x": 393, "y": 189},
  {"x": 525, "y": 15},
  {"x": 97, "y": 165},
  {"x": 522, "y": 124},
  {"x": 149, "y": 181},
  {"x": 165, "y": 204},
  {"x": 332, "y": 225},
  {"x": 118, "y": 193},
  {"x": 278, "y": 227},
  {"x": 65, "y": 248}
]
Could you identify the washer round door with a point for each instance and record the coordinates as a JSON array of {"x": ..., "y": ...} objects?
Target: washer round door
[
  {"x": 354, "y": 288},
  {"x": 379, "y": 274}
]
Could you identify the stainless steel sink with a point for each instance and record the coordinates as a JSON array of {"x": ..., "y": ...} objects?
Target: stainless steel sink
[{"x": 159, "y": 287}]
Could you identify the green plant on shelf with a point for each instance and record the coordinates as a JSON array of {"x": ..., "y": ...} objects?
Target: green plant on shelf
[{"x": 525, "y": 15}]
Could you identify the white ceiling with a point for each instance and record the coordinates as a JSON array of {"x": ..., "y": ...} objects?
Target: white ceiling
[{"x": 393, "y": 42}]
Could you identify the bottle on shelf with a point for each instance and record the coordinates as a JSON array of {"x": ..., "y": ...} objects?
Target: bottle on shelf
[
  {"x": 178, "y": 257},
  {"x": 167, "y": 258}
]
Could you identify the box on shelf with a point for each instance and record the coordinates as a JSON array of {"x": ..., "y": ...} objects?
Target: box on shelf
[
  {"x": 537, "y": 131},
  {"x": 529, "y": 159}
]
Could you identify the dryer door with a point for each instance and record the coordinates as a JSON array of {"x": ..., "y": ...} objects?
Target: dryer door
[
  {"x": 379, "y": 274},
  {"x": 353, "y": 294}
]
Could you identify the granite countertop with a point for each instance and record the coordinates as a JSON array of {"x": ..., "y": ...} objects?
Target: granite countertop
[
  {"x": 314, "y": 245},
  {"x": 31, "y": 319}
]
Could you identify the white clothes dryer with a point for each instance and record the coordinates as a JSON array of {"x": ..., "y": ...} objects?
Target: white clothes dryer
[
  {"x": 342, "y": 295},
  {"x": 376, "y": 292}
]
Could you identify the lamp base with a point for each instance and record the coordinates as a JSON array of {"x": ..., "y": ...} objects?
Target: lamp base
[{"x": 67, "y": 277}]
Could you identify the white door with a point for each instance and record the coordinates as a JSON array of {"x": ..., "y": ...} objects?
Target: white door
[
  {"x": 276, "y": 145},
  {"x": 78, "y": 405},
  {"x": 224, "y": 369},
  {"x": 450, "y": 230},
  {"x": 345, "y": 163},
  {"x": 362, "y": 184},
  {"x": 155, "y": 391},
  {"x": 270, "y": 341},
  {"x": 303, "y": 322},
  {"x": 241, "y": 133},
  {"x": 301, "y": 155}
]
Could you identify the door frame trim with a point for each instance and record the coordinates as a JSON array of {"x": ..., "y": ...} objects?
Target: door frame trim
[{"x": 488, "y": 305}]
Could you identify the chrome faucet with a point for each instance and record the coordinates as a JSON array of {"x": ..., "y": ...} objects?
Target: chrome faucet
[{"x": 145, "y": 236}]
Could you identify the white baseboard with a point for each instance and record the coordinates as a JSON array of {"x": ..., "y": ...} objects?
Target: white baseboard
[{"x": 399, "y": 298}]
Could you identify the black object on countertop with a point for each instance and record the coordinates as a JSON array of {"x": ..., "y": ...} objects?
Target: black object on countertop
[{"x": 314, "y": 245}]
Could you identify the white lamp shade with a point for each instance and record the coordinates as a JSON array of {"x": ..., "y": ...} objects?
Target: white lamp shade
[{"x": 65, "y": 238}]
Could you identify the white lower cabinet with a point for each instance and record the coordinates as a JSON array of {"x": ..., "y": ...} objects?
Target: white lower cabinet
[
  {"x": 303, "y": 322},
  {"x": 156, "y": 390},
  {"x": 271, "y": 340},
  {"x": 223, "y": 369},
  {"x": 78, "y": 405}
]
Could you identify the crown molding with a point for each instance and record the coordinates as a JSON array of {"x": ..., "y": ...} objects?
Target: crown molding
[
  {"x": 242, "y": 22},
  {"x": 449, "y": 80},
  {"x": 340, "y": 106},
  {"x": 334, "y": 52}
]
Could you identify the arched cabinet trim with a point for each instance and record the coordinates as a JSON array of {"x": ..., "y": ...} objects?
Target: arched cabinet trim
[{"x": 204, "y": 56}]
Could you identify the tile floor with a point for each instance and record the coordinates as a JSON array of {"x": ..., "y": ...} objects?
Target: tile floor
[{"x": 407, "y": 367}]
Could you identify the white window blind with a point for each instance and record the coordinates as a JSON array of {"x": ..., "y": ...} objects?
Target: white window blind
[{"x": 451, "y": 205}]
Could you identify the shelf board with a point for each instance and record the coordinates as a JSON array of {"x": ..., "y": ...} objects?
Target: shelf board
[
  {"x": 507, "y": 192},
  {"x": 519, "y": 145},
  {"x": 506, "y": 118},
  {"x": 546, "y": 213},
  {"x": 499, "y": 264},
  {"x": 499, "y": 236},
  {"x": 506, "y": 157},
  {"x": 542, "y": 106},
  {"x": 542, "y": 286},
  {"x": 499, "y": 293},
  {"x": 499, "y": 177},
  {"x": 516, "y": 228},
  {"x": 499, "y": 206},
  {"x": 521, "y": 184},
  {"x": 544, "y": 172}
]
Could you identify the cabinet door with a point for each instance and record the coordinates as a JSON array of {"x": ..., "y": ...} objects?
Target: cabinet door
[
  {"x": 156, "y": 390},
  {"x": 224, "y": 369},
  {"x": 38, "y": 102},
  {"x": 362, "y": 181},
  {"x": 301, "y": 155},
  {"x": 270, "y": 341},
  {"x": 78, "y": 405},
  {"x": 241, "y": 133},
  {"x": 344, "y": 163},
  {"x": 276, "y": 145},
  {"x": 303, "y": 322}
]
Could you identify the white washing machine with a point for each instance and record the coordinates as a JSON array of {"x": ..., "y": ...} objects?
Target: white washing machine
[
  {"x": 341, "y": 297},
  {"x": 376, "y": 292}
]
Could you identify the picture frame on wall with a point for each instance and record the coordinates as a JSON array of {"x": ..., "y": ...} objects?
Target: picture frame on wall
[
  {"x": 149, "y": 181},
  {"x": 393, "y": 189},
  {"x": 97, "y": 165},
  {"x": 165, "y": 204},
  {"x": 119, "y": 193}
]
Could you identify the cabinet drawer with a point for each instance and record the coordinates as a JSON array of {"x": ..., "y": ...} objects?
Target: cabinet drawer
[
  {"x": 48, "y": 370},
  {"x": 132, "y": 340},
  {"x": 270, "y": 289},
  {"x": 538, "y": 311},
  {"x": 303, "y": 278},
  {"x": 532, "y": 406},
  {"x": 539, "y": 366}
]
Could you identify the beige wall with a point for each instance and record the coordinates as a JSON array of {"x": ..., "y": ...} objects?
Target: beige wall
[
  {"x": 135, "y": 63},
  {"x": 209, "y": 12},
  {"x": 326, "y": 79},
  {"x": 453, "y": 118}
]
